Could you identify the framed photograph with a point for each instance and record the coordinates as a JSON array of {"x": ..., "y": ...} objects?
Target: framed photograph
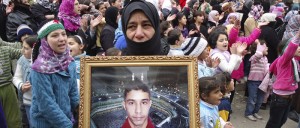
[{"x": 116, "y": 91}]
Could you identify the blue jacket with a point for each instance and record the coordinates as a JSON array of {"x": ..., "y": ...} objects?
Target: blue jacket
[
  {"x": 77, "y": 61},
  {"x": 54, "y": 97}
]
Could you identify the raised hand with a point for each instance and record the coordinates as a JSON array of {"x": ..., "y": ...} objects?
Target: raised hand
[
  {"x": 240, "y": 48},
  {"x": 94, "y": 22},
  {"x": 208, "y": 61},
  {"x": 215, "y": 62},
  {"x": 233, "y": 48},
  {"x": 171, "y": 17}
]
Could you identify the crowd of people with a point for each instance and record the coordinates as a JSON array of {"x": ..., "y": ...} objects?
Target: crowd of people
[{"x": 256, "y": 41}]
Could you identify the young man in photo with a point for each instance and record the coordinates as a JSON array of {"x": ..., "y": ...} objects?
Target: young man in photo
[{"x": 137, "y": 104}]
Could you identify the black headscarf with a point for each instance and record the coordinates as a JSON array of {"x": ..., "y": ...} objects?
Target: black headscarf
[
  {"x": 111, "y": 15},
  {"x": 152, "y": 46}
]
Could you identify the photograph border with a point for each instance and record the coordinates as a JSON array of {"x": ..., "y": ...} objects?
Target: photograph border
[{"x": 87, "y": 63}]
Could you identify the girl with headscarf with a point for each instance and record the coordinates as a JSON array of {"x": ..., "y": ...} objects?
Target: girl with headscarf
[
  {"x": 253, "y": 16},
  {"x": 213, "y": 18},
  {"x": 44, "y": 10},
  {"x": 53, "y": 79},
  {"x": 107, "y": 35},
  {"x": 69, "y": 15},
  {"x": 141, "y": 41}
]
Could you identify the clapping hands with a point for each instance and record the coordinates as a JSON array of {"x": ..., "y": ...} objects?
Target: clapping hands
[
  {"x": 238, "y": 48},
  {"x": 213, "y": 63}
]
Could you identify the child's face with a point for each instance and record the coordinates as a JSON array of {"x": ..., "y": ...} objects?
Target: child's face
[
  {"x": 204, "y": 54},
  {"x": 297, "y": 53},
  {"x": 26, "y": 50},
  {"x": 222, "y": 43},
  {"x": 75, "y": 48},
  {"x": 214, "y": 97},
  {"x": 232, "y": 19}
]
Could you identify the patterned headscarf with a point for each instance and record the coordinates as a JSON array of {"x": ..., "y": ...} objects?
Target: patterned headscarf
[
  {"x": 290, "y": 14},
  {"x": 50, "y": 62},
  {"x": 256, "y": 11},
  {"x": 67, "y": 14},
  {"x": 292, "y": 27},
  {"x": 231, "y": 15}
]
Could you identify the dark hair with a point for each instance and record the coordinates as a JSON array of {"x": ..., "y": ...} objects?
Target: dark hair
[
  {"x": 213, "y": 37},
  {"x": 173, "y": 35},
  {"x": 136, "y": 86},
  {"x": 223, "y": 79},
  {"x": 35, "y": 50},
  {"x": 112, "y": 51},
  {"x": 111, "y": 1},
  {"x": 197, "y": 13},
  {"x": 97, "y": 6},
  {"x": 79, "y": 41},
  {"x": 31, "y": 40},
  {"x": 179, "y": 16},
  {"x": 254, "y": 46},
  {"x": 164, "y": 25},
  {"x": 207, "y": 85}
]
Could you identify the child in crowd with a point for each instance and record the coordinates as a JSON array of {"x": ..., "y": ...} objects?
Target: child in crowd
[
  {"x": 287, "y": 77},
  {"x": 180, "y": 24},
  {"x": 206, "y": 65},
  {"x": 21, "y": 77},
  {"x": 175, "y": 39},
  {"x": 218, "y": 40},
  {"x": 226, "y": 85},
  {"x": 53, "y": 79},
  {"x": 77, "y": 50},
  {"x": 210, "y": 98},
  {"x": 258, "y": 70}
]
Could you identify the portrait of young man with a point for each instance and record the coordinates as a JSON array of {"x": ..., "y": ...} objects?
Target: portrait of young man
[{"x": 137, "y": 104}]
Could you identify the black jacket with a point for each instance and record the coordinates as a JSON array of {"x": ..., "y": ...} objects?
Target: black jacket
[
  {"x": 39, "y": 12},
  {"x": 3, "y": 18},
  {"x": 107, "y": 37},
  {"x": 20, "y": 15},
  {"x": 269, "y": 35}
]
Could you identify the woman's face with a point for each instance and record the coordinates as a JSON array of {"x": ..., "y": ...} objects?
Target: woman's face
[
  {"x": 26, "y": 50},
  {"x": 196, "y": 6},
  {"x": 139, "y": 27},
  {"x": 216, "y": 17},
  {"x": 199, "y": 19},
  {"x": 222, "y": 43},
  {"x": 75, "y": 47},
  {"x": 57, "y": 41},
  {"x": 183, "y": 20},
  {"x": 76, "y": 7},
  {"x": 102, "y": 9}
]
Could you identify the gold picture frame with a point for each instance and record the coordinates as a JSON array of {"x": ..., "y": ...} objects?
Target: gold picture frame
[{"x": 180, "y": 96}]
